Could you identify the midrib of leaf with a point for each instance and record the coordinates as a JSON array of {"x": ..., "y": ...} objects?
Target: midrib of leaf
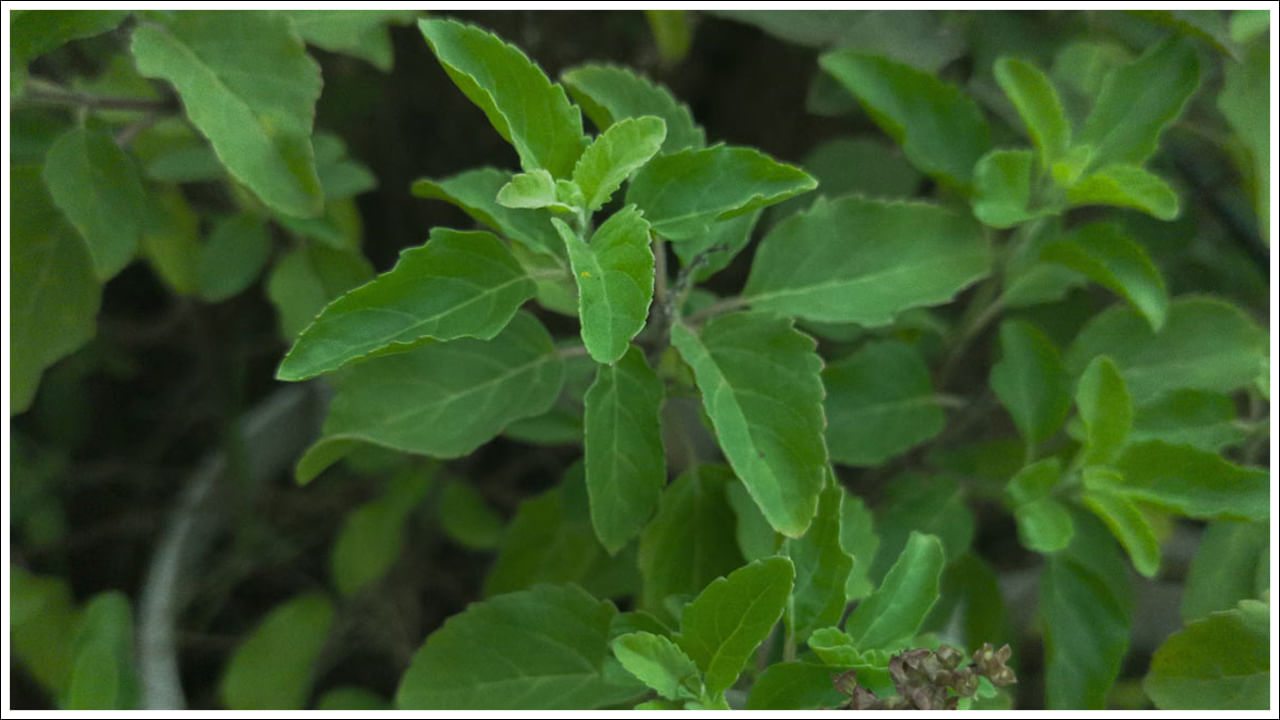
[
  {"x": 850, "y": 283},
  {"x": 725, "y": 639}
]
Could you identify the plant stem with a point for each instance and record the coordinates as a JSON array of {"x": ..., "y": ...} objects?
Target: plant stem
[
  {"x": 571, "y": 351},
  {"x": 718, "y": 307},
  {"x": 44, "y": 92}
]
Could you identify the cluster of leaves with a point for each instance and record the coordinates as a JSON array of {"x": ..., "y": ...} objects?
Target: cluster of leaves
[{"x": 1124, "y": 420}]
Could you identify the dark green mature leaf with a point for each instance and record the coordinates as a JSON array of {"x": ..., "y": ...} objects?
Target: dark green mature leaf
[
  {"x": 259, "y": 125},
  {"x": 893, "y": 613},
  {"x": 1205, "y": 344},
  {"x": 971, "y": 603},
  {"x": 1105, "y": 408},
  {"x": 1044, "y": 523},
  {"x": 97, "y": 187},
  {"x": 1002, "y": 189},
  {"x": 539, "y": 649},
  {"x": 1138, "y": 101},
  {"x": 446, "y": 399},
  {"x": 1200, "y": 419},
  {"x": 466, "y": 517},
  {"x": 358, "y": 33},
  {"x": 36, "y": 32},
  {"x": 372, "y": 534},
  {"x": 1221, "y": 572},
  {"x": 459, "y": 284},
  {"x": 933, "y": 505},
  {"x": 1127, "y": 186},
  {"x": 795, "y": 686},
  {"x": 272, "y": 669},
  {"x": 614, "y": 272},
  {"x": 659, "y": 663},
  {"x": 1086, "y": 611},
  {"x": 1245, "y": 102},
  {"x": 683, "y": 193},
  {"x": 879, "y": 404},
  {"x": 734, "y": 614},
  {"x": 1110, "y": 257},
  {"x": 55, "y": 294},
  {"x": 1123, "y": 518},
  {"x": 609, "y": 94},
  {"x": 475, "y": 192},
  {"x": 940, "y": 128},
  {"x": 102, "y": 674},
  {"x": 822, "y": 569},
  {"x": 761, "y": 387},
  {"x": 1031, "y": 381},
  {"x": 1222, "y": 662},
  {"x": 1192, "y": 482},
  {"x": 711, "y": 252},
  {"x": 1036, "y": 99},
  {"x": 233, "y": 258},
  {"x": 864, "y": 261},
  {"x": 619, "y": 151},
  {"x": 346, "y": 697},
  {"x": 756, "y": 537},
  {"x": 690, "y": 542},
  {"x": 526, "y": 108},
  {"x": 626, "y": 467},
  {"x": 305, "y": 280}
]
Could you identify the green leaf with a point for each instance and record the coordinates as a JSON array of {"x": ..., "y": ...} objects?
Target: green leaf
[
  {"x": 36, "y": 32},
  {"x": 457, "y": 285},
  {"x": 1202, "y": 420},
  {"x": 272, "y": 669},
  {"x": 1138, "y": 101},
  {"x": 531, "y": 190},
  {"x": 756, "y": 537},
  {"x": 626, "y": 467},
  {"x": 1044, "y": 524},
  {"x": 822, "y": 569},
  {"x": 1086, "y": 613},
  {"x": 708, "y": 254},
  {"x": 97, "y": 186},
  {"x": 690, "y": 541},
  {"x": 616, "y": 154},
  {"x": 475, "y": 192},
  {"x": 1222, "y": 662},
  {"x": 1110, "y": 257},
  {"x": 925, "y": 504},
  {"x": 1245, "y": 102},
  {"x": 372, "y": 534},
  {"x": 1036, "y": 99},
  {"x": 171, "y": 241},
  {"x": 1123, "y": 518},
  {"x": 971, "y": 609},
  {"x": 340, "y": 176},
  {"x": 305, "y": 280},
  {"x": 359, "y": 33},
  {"x": 1002, "y": 189},
  {"x": 526, "y": 108},
  {"x": 660, "y": 664},
  {"x": 858, "y": 538},
  {"x": 1105, "y": 408},
  {"x": 55, "y": 294},
  {"x": 1205, "y": 344},
  {"x": 1127, "y": 186},
  {"x": 614, "y": 272},
  {"x": 467, "y": 519},
  {"x": 1192, "y": 482},
  {"x": 683, "y": 193},
  {"x": 1221, "y": 572},
  {"x": 879, "y": 404},
  {"x": 539, "y": 649},
  {"x": 761, "y": 387},
  {"x": 864, "y": 261},
  {"x": 347, "y": 697},
  {"x": 233, "y": 258},
  {"x": 732, "y": 616},
  {"x": 102, "y": 669},
  {"x": 42, "y": 621},
  {"x": 795, "y": 686},
  {"x": 940, "y": 129},
  {"x": 1031, "y": 381},
  {"x": 259, "y": 125},
  {"x": 609, "y": 94},
  {"x": 672, "y": 33},
  {"x": 891, "y": 615},
  {"x": 447, "y": 399}
]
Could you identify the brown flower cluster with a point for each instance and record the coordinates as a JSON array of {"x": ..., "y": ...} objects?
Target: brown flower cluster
[{"x": 929, "y": 679}]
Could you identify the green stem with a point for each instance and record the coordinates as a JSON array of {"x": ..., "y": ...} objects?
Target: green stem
[{"x": 44, "y": 92}]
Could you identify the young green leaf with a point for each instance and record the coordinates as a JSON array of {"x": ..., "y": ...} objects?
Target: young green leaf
[
  {"x": 545, "y": 649},
  {"x": 1192, "y": 482},
  {"x": 659, "y": 663},
  {"x": 879, "y": 404},
  {"x": 890, "y": 617},
  {"x": 940, "y": 129},
  {"x": 1002, "y": 189},
  {"x": 1222, "y": 662},
  {"x": 822, "y": 569},
  {"x": 372, "y": 534},
  {"x": 1031, "y": 381},
  {"x": 1127, "y": 186},
  {"x": 457, "y": 285},
  {"x": 690, "y": 541},
  {"x": 609, "y": 94},
  {"x": 1110, "y": 257},
  {"x": 272, "y": 669},
  {"x": 734, "y": 614},
  {"x": 97, "y": 187},
  {"x": 1139, "y": 100},
  {"x": 359, "y": 33},
  {"x": 466, "y": 517},
  {"x": 532, "y": 190},
  {"x": 864, "y": 261},
  {"x": 1123, "y": 518},
  {"x": 859, "y": 540},
  {"x": 1044, "y": 523},
  {"x": 683, "y": 193},
  {"x": 1221, "y": 572},
  {"x": 1105, "y": 408},
  {"x": 626, "y": 468},
  {"x": 446, "y": 399},
  {"x": 1036, "y": 99},
  {"x": 233, "y": 258},
  {"x": 1205, "y": 344},
  {"x": 259, "y": 125},
  {"x": 102, "y": 673},
  {"x": 761, "y": 387},
  {"x": 475, "y": 192},
  {"x": 526, "y": 108},
  {"x": 619, "y": 151},
  {"x": 1200, "y": 419}
]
